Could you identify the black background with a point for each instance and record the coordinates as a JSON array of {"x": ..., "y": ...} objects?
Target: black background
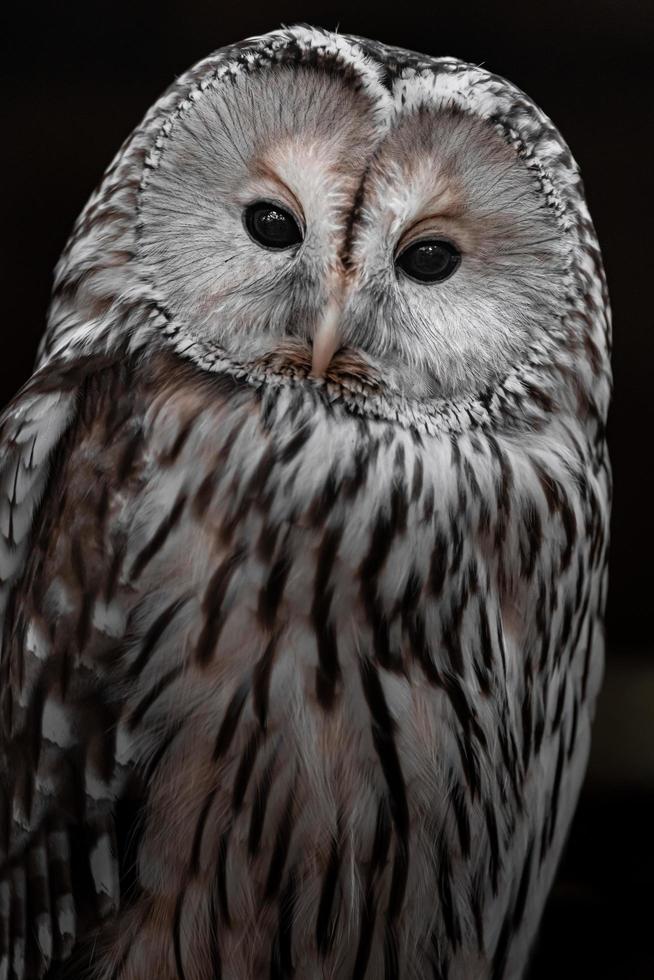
[{"x": 77, "y": 77}]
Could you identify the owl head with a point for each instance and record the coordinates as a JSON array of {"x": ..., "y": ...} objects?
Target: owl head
[{"x": 316, "y": 207}]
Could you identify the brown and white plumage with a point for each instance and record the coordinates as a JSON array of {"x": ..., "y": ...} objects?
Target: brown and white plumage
[{"x": 298, "y": 672}]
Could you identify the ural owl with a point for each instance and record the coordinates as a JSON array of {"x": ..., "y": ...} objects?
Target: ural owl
[{"x": 303, "y": 533}]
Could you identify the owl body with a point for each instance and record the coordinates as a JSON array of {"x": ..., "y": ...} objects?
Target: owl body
[{"x": 301, "y": 649}]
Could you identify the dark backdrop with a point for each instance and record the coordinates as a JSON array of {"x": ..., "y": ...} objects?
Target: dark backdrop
[{"x": 77, "y": 76}]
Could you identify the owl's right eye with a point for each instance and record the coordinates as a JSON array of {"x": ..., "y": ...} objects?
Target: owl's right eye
[{"x": 271, "y": 226}]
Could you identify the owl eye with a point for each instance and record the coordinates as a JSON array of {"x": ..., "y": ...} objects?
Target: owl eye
[
  {"x": 429, "y": 261},
  {"x": 270, "y": 226}
]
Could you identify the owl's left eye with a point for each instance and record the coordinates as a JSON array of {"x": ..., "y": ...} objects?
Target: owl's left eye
[
  {"x": 271, "y": 226},
  {"x": 429, "y": 260}
]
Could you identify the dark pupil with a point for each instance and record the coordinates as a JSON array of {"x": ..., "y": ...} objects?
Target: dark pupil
[
  {"x": 429, "y": 261},
  {"x": 271, "y": 226}
]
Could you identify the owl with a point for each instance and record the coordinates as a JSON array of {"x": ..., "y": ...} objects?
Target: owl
[{"x": 303, "y": 538}]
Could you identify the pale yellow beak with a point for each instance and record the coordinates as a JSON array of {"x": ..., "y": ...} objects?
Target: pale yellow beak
[{"x": 327, "y": 338}]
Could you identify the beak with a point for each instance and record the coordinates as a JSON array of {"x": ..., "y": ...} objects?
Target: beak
[{"x": 327, "y": 338}]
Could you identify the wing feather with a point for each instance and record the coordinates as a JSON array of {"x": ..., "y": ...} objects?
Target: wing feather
[
  {"x": 30, "y": 429},
  {"x": 59, "y": 869}
]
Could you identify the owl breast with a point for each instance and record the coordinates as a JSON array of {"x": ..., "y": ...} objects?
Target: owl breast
[{"x": 318, "y": 640}]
